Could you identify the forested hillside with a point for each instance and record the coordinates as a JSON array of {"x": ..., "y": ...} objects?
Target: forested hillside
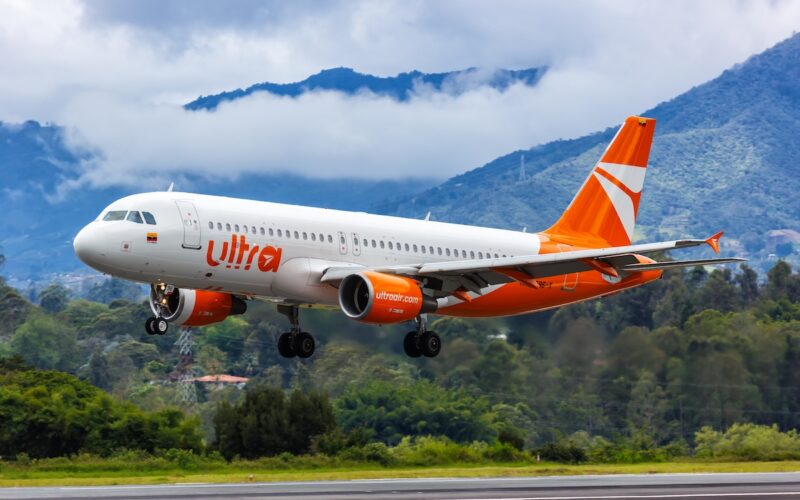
[
  {"x": 646, "y": 368},
  {"x": 725, "y": 157}
]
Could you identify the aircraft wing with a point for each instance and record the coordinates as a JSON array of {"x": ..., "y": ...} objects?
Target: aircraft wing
[{"x": 475, "y": 274}]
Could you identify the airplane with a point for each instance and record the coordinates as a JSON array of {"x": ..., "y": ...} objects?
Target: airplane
[{"x": 206, "y": 256}]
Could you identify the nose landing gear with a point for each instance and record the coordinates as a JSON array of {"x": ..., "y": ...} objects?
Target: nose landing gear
[
  {"x": 422, "y": 342},
  {"x": 156, "y": 326},
  {"x": 159, "y": 296},
  {"x": 295, "y": 342}
]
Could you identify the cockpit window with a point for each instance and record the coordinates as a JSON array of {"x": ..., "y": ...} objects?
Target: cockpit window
[
  {"x": 115, "y": 215},
  {"x": 148, "y": 217},
  {"x": 134, "y": 217}
]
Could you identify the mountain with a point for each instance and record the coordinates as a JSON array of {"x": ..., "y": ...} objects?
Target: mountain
[
  {"x": 400, "y": 87},
  {"x": 726, "y": 155},
  {"x": 37, "y": 228}
]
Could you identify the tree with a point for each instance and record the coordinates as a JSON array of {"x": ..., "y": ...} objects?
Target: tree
[
  {"x": 266, "y": 423},
  {"x": 46, "y": 344},
  {"x": 54, "y": 298},
  {"x": 49, "y": 414}
]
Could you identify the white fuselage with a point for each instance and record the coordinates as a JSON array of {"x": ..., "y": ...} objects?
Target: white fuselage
[{"x": 185, "y": 246}]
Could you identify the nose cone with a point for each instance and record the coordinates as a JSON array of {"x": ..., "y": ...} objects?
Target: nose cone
[{"x": 88, "y": 245}]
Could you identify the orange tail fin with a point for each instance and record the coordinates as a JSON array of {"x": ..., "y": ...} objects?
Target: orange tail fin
[{"x": 604, "y": 211}]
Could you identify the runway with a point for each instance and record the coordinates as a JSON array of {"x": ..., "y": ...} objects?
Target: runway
[{"x": 716, "y": 486}]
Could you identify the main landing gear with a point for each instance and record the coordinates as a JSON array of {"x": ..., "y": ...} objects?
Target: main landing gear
[
  {"x": 295, "y": 342},
  {"x": 422, "y": 342}
]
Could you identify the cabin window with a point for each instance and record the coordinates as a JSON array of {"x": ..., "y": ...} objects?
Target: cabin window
[
  {"x": 423, "y": 248},
  {"x": 366, "y": 243},
  {"x": 495, "y": 256},
  {"x": 219, "y": 225},
  {"x": 115, "y": 215},
  {"x": 296, "y": 235},
  {"x": 280, "y": 233},
  {"x": 245, "y": 229},
  {"x": 236, "y": 228},
  {"x": 406, "y": 245},
  {"x": 463, "y": 254},
  {"x": 439, "y": 250},
  {"x": 211, "y": 225},
  {"x": 382, "y": 244},
  {"x": 447, "y": 252},
  {"x": 313, "y": 236},
  {"x": 391, "y": 246},
  {"x": 374, "y": 245},
  {"x": 253, "y": 230},
  {"x": 262, "y": 231},
  {"x": 321, "y": 237},
  {"x": 305, "y": 235},
  {"x": 134, "y": 216},
  {"x": 288, "y": 234},
  {"x": 330, "y": 239},
  {"x": 414, "y": 247},
  {"x": 227, "y": 227},
  {"x": 480, "y": 255},
  {"x": 472, "y": 254}
]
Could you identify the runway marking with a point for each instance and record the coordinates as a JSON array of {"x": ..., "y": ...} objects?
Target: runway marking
[{"x": 668, "y": 495}]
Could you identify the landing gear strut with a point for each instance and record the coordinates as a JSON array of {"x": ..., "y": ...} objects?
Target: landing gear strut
[
  {"x": 294, "y": 342},
  {"x": 422, "y": 342}
]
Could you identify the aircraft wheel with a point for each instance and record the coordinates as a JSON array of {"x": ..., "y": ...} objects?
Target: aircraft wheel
[
  {"x": 285, "y": 348},
  {"x": 410, "y": 345},
  {"x": 160, "y": 326},
  {"x": 304, "y": 344},
  {"x": 149, "y": 326},
  {"x": 430, "y": 344}
]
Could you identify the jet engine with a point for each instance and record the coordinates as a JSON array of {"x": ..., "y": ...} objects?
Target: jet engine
[
  {"x": 193, "y": 307},
  {"x": 380, "y": 298}
]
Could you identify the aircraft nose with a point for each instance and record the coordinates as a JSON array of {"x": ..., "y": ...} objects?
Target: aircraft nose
[{"x": 88, "y": 245}]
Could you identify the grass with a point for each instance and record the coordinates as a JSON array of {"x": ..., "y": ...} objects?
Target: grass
[{"x": 13, "y": 475}]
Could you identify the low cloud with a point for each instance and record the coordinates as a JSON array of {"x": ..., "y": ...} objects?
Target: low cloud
[{"x": 116, "y": 75}]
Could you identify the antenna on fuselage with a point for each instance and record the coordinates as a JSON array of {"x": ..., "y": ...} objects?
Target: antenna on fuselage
[{"x": 171, "y": 185}]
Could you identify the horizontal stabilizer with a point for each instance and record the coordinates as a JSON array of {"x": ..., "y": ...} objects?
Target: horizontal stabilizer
[{"x": 679, "y": 263}]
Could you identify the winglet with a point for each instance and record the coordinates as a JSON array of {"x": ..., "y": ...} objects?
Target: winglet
[{"x": 713, "y": 241}]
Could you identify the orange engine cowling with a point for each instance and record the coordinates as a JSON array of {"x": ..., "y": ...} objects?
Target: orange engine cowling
[
  {"x": 195, "y": 307},
  {"x": 383, "y": 298}
]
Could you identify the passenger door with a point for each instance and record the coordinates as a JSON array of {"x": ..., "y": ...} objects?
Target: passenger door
[{"x": 191, "y": 224}]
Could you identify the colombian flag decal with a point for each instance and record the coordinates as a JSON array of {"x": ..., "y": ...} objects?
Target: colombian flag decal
[{"x": 152, "y": 237}]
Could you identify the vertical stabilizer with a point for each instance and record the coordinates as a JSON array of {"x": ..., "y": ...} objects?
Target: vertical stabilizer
[{"x": 603, "y": 213}]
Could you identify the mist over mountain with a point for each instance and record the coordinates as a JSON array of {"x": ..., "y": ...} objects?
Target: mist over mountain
[
  {"x": 400, "y": 87},
  {"x": 38, "y": 224},
  {"x": 726, "y": 155}
]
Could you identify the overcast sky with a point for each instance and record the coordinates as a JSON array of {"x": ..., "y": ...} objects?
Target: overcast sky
[{"x": 116, "y": 72}]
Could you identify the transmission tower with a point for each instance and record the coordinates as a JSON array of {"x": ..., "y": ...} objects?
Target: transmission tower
[
  {"x": 187, "y": 393},
  {"x": 522, "y": 175}
]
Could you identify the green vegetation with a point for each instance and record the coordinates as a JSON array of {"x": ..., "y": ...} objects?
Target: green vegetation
[{"x": 698, "y": 366}]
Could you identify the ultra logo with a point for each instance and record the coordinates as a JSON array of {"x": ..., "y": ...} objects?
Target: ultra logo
[{"x": 269, "y": 257}]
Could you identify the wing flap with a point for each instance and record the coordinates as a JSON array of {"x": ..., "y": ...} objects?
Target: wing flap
[{"x": 679, "y": 263}]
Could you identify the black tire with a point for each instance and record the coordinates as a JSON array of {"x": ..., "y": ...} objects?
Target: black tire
[
  {"x": 160, "y": 326},
  {"x": 285, "y": 347},
  {"x": 149, "y": 326},
  {"x": 304, "y": 344},
  {"x": 430, "y": 344},
  {"x": 410, "y": 345}
]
